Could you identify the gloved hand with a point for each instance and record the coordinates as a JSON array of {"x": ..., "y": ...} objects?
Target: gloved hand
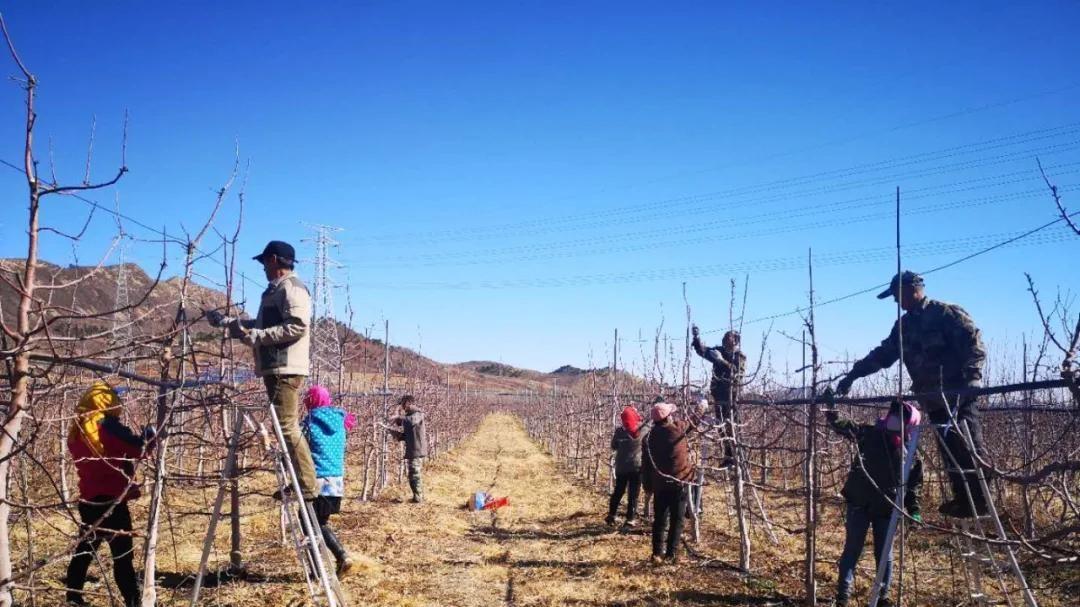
[
  {"x": 832, "y": 415},
  {"x": 694, "y": 330},
  {"x": 149, "y": 433},
  {"x": 917, "y": 517},
  {"x": 217, "y": 319},
  {"x": 844, "y": 385},
  {"x": 236, "y": 330}
]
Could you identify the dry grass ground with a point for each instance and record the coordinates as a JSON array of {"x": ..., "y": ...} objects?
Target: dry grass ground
[{"x": 550, "y": 547}]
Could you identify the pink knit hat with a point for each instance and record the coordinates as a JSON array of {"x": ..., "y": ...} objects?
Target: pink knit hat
[
  {"x": 661, "y": 411},
  {"x": 891, "y": 422},
  {"x": 317, "y": 396}
]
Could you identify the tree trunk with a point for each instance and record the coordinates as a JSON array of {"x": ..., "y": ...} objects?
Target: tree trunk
[{"x": 20, "y": 382}]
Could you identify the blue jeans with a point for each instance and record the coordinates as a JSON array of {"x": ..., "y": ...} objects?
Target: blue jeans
[{"x": 857, "y": 522}]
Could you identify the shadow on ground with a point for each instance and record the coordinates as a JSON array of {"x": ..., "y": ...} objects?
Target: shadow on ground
[
  {"x": 213, "y": 579},
  {"x": 538, "y": 534},
  {"x": 691, "y": 597}
]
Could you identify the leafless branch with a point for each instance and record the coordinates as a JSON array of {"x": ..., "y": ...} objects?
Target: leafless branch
[{"x": 1057, "y": 199}]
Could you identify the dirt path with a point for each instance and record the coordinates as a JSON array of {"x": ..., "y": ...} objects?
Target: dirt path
[{"x": 550, "y": 548}]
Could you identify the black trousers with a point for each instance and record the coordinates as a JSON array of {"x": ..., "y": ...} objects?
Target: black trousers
[
  {"x": 325, "y": 506},
  {"x": 951, "y": 442},
  {"x": 623, "y": 482},
  {"x": 114, "y": 529},
  {"x": 669, "y": 514}
]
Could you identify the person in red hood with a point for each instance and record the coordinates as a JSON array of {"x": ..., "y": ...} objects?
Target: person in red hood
[
  {"x": 104, "y": 451},
  {"x": 626, "y": 442}
]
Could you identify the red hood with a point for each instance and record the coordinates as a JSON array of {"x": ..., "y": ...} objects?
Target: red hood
[{"x": 631, "y": 421}]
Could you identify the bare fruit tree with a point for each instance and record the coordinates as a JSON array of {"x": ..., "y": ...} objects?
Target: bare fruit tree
[{"x": 29, "y": 333}]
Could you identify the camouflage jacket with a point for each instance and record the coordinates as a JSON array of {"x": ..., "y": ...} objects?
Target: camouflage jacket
[
  {"x": 942, "y": 348},
  {"x": 727, "y": 371}
]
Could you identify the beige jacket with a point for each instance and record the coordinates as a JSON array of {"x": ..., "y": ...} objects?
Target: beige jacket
[{"x": 280, "y": 335}]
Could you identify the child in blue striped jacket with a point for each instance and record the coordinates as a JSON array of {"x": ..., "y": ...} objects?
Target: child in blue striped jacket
[{"x": 325, "y": 428}]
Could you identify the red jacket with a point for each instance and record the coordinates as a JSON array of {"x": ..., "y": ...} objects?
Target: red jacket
[{"x": 111, "y": 476}]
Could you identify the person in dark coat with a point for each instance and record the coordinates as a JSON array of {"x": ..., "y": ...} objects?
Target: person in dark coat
[
  {"x": 626, "y": 442},
  {"x": 414, "y": 434},
  {"x": 871, "y": 489},
  {"x": 728, "y": 368},
  {"x": 666, "y": 468}
]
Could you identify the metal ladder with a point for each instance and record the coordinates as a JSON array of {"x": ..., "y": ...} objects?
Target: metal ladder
[
  {"x": 976, "y": 550},
  {"x": 322, "y": 584}
]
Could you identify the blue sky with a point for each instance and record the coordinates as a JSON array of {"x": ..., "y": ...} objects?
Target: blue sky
[{"x": 517, "y": 180}]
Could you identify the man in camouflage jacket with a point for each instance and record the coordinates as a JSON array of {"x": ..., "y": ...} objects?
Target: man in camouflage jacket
[{"x": 943, "y": 353}]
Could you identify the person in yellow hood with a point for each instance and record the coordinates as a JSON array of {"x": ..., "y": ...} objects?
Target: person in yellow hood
[{"x": 104, "y": 451}]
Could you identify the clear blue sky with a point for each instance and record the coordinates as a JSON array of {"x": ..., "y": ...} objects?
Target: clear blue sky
[{"x": 517, "y": 180}]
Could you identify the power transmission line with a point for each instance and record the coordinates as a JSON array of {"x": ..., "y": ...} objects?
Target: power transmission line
[
  {"x": 643, "y": 240},
  {"x": 122, "y": 329},
  {"x": 859, "y": 169},
  {"x": 726, "y": 229},
  {"x": 950, "y": 264},
  {"x": 987, "y": 242}
]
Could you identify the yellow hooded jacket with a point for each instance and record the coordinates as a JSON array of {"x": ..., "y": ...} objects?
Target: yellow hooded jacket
[{"x": 99, "y": 401}]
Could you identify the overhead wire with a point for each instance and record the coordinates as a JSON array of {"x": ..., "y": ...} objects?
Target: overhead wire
[
  {"x": 606, "y": 214},
  {"x": 939, "y": 268},
  {"x": 750, "y": 159},
  {"x": 643, "y": 241},
  {"x": 491, "y": 255},
  {"x": 703, "y": 271},
  {"x": 1025, "y": 137}
]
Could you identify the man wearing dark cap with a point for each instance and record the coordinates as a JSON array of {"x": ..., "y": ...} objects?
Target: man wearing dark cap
[
  {"x": 280, "y": 337},
  {"x": 943, "y": 353}
]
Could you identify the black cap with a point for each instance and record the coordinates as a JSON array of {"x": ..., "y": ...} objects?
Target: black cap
[
  {"x": 907, "y": 278},
  {"x": 282, "y": 249}
]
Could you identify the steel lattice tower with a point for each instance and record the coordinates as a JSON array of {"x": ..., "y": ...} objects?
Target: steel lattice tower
[
  {"x": 325, "y": 339},
  {"x": 122, "y": 330}
]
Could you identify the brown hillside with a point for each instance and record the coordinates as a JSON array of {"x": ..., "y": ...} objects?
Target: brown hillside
[{"x": 91, "y": 293}]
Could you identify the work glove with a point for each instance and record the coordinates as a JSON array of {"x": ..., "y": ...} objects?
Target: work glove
[
  {"x": 217, "y": 319},
  {"x": 236, "y": 330},
  {"x": 917, "y": 517},
  {"x": 149, "y": 433},
  {"x": 844, "y": 385}
]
